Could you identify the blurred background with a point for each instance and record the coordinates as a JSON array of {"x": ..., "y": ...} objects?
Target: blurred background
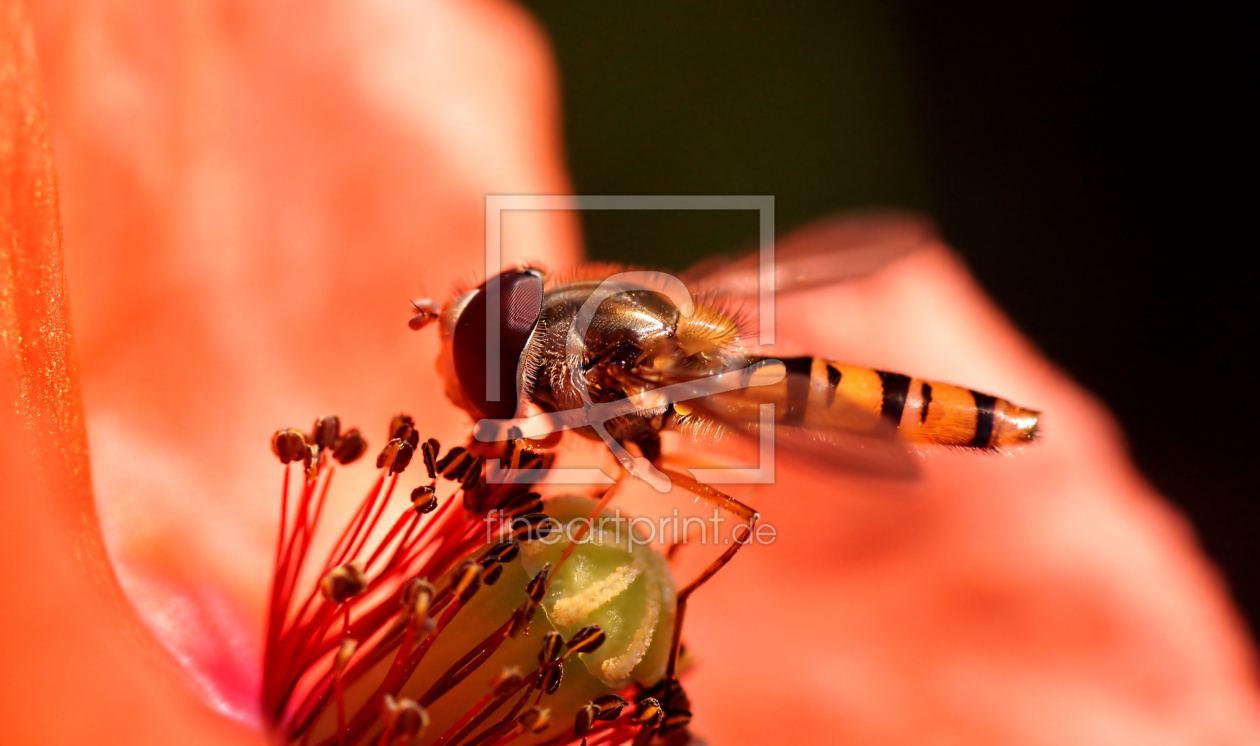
[{"x": 1087, "y": 161}]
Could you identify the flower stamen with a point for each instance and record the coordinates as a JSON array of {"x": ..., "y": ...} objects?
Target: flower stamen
[{"x": 397, "y": 626}]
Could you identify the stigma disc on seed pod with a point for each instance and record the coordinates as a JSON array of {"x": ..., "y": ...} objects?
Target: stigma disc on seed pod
[{"x": 612, "y": 581}]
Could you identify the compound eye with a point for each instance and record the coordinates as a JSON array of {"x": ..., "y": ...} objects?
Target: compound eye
[{"x": 520, "y": 304}]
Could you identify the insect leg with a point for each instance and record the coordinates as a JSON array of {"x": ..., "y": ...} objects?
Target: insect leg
[
  {"x": 585, "y": 527},
  {"x": 724, "y": 502}
]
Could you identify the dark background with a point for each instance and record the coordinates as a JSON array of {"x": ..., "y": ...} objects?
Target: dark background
[{"x": 1087, "y": 161}]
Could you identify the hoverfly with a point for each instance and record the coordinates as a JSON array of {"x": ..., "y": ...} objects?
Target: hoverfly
[
  {"x": 567, "y": 342},
  {"x": 637, "y": 341}
]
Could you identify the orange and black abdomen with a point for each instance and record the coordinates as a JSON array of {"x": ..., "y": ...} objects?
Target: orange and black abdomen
[{"x": 818, "y": 391}]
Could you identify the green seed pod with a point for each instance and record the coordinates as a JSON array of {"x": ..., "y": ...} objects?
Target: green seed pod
[
  {"x": 637, "y": 605},
  {"x": 612, "y": 580}
]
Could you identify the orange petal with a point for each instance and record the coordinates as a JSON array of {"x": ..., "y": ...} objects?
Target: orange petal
[
  {"x": 252, "y": 194},
  {"x": 1047, "y": 596},
  {"x": 78, "y": 666}
]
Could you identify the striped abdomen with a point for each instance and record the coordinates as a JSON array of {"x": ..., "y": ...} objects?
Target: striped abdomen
[{"x": 820, "y": 391}]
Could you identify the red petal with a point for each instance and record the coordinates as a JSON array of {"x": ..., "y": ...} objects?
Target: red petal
[
  {"x": 253, "y": 192},
  {"x": 78, "y": 665},
  {"x": 1043, "y": 597}
]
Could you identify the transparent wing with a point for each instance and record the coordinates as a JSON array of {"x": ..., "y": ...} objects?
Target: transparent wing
[
  {"x": 852, "y": 441},
  {"x": 813, "y": 424},
  {"x": 824, "y": 253}
]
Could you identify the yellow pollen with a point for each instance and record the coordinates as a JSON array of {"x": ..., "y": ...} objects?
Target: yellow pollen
[
  {"x": 618, "y": 667},
  {"x": 575, "y": 608}
]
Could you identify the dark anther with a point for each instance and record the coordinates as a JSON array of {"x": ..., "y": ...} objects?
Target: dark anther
[
  {"x": 416, "y": 596},
  {"x": 288, "y": 445},
  {"x": 510, "y": 553},
  {"x": 507, "y": 681},
  {"x": 587, "y": 639},
  {"x": 530, "y": 502},
  {"x": 395, "y": 456},
  {"x": 609, "y": 706},
  {"x": 677, "y": 708},
  {"x": 458, "y": 467},
  {"x": 405, "y": 452},
  {"x": 310, "y": 461},
  {"x": 453, "y": 464},
  {"x": 538, "y": 585},
  {"x": 551, "y": 679},
  {"x": 404, "y": 719},
  {"x": 493, "y": 552},
  {"x": 450, "y": 456},
  {"x": 350, "y": 447},
  {"x": 423, "y": 499},
  {"x": 430, "y": 452},
  {"x": 401, "y": 426},
  {"x": 386, "y": 456},
  {"x": 649, "y": 711},
  {"x": 585, "y": 718},
  {"x": 521, "y": 618},
  {"x": 532, "y": 526},
  {"x": 326, "y": 432},
  {"x": 492, "y": 573},
  {"x": 472, "y": 477},
  {"x": 536, "y": 719},
  {"x": 468, "y": 580},
  {"x": 404, "y": 431},
  {"x": 503, "y": 552},
  {"x": 553, "y": 643},
  {"x": 343, "y": 583}
]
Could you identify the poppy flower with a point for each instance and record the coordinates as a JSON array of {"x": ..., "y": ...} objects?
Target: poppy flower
[{"x": 251, "y": 192}]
